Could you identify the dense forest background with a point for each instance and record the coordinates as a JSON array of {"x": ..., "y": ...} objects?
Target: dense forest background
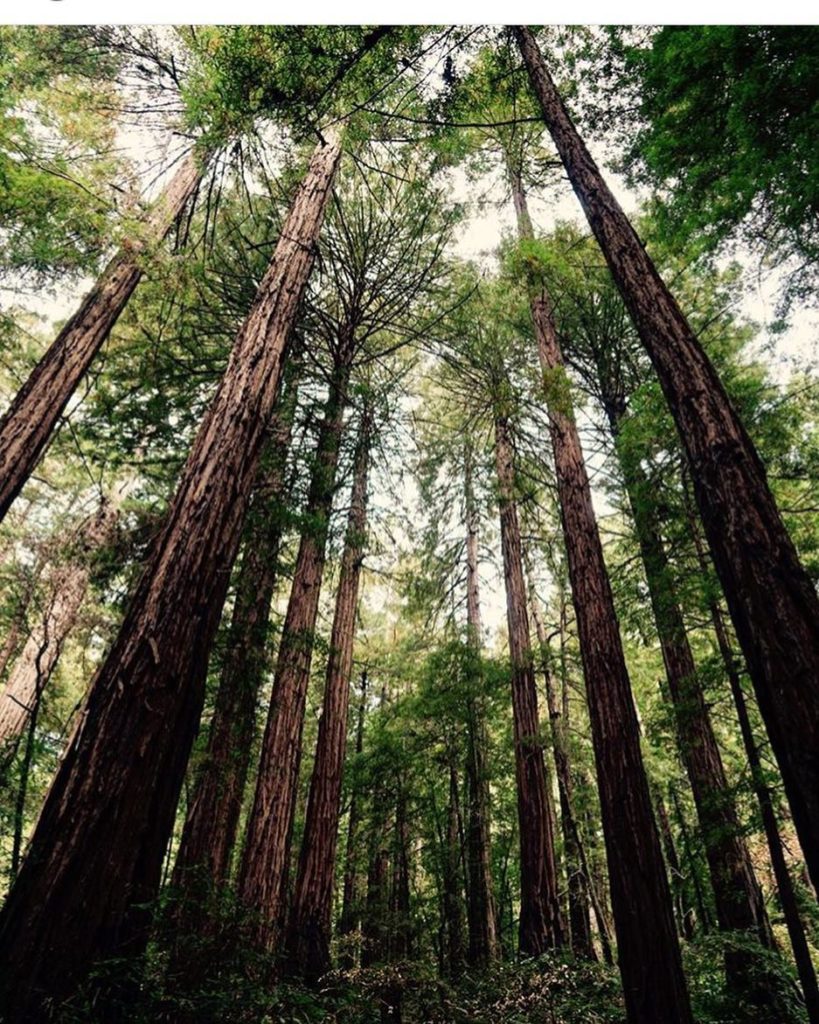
[{"x": 409, "y": 572}]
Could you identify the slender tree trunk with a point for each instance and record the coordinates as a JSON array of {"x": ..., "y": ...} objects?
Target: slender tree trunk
[
  {"x": 772, "y": 601},
  {"x": 38, "y": 659},
  {"x": 30, "y": 420},
  {"x": 703, "y": 909},
  {"x": 579, "y": 919},
  {"x": 451, "y": 880},
  {"x": 483, "y": 939},
  {"x": 782, "y": 875},
  {"x": 350, "y": 911},
  {"x": 264, "y": 868},
  {"x": 737, "y": 897},
  {"x": 648, "y": 947},
  {"x": 685, "y": 915},
  {"x": 308, "y": 938},
  {"x": 595, "y": 886},
  {"x": 541, "y": 926},
  {"x": 95, "y": 859},
  {"x": 209, "y": 835},
  {"x": 374, "y": 931}
]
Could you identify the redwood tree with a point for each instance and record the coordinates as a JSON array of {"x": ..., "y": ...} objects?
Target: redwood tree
[
  {"x": 209, "y": 834},
  {"x": 308, "y": 937},
  {"x": 541, "y": 925},
  {"x": 29, "y": 422},
  {"x": 96, "y": 855},
  {"x": 772, "y": 601}
]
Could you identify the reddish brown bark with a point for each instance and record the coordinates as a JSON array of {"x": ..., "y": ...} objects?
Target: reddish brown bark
[
  {"x": 97, "y": 852},
  {"x": 737, "y": 897},
  {"x": 265, "y": 861},
  {"x": 579, "y": 918},
  {"x": 784, "y": 883},
  {"x": 649, "y": 955},
  {"x": 209, "y": 835},
  {"x": 772, "y": 601},
  {"x": 308, "y": 939},
  {"x": 27, "y": 426},
  {"x": 482, "y": 933},
  {"x": 648, "y": 948},
  {"x": 541, "y": 926}
]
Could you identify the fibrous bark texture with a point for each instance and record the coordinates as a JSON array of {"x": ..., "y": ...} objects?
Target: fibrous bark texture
[
  {"x": 541, "y": 925},
  {"x": 96, "y": 854},
  {"x": 648, "y": 948},
  {"x": 308, "y": 939},
  {"x": 737, "y": 896},
  {"x": 265, "y": 861},
  {"x": 30, "y": 420},
  {"x": 209, "y": 834},
  {"x": 772, "y": 601}
]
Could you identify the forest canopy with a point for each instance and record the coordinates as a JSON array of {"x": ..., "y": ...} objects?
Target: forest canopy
[{"x": 408, "y": 530}]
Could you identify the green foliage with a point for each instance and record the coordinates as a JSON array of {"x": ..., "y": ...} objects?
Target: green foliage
[{"x": 730, "y": 118}]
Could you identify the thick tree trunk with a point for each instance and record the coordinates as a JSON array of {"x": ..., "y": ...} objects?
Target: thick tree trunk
[
  {"x": 265, "y": 860},
  {"x": 96, "y": 856},
  {"x": 209, "y": 834},
  {"x": 480, "y": 907},
  {"x": 308, "y": 938},
  {"x": 772, "y": 601},
  {"x": 648, "y": 948},
  {"x": 784, "y": 883},
  {"x": 579, "y": 918},
  {"x": 38, "y": 659},
  {"x": 26, "y": 427},
  {"x": 541, "y": 926},
  {"x": 737, "y": 897}
]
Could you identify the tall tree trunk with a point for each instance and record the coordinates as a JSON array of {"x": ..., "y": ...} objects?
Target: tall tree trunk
[
  {"x": 264, "y": 868},
  {"x": 579, "y": 919},
  {"x": 480, "y": 907},
  {"x": 96, "y": 856},
  {"x": 782, "y": 875},
  {"x": 209, "y": 835},
  {"x": 26, "y": 427},
  {"x": 350, "y": 911},
  {"x": 541, "y": 926},
  {"x": 772, "y": 601},
  {"x": 308, "y": 938},
  {"x": 38, "y": 659},
  {"x": 648, "y": 948},
  {"x": 737, "y": 897}
]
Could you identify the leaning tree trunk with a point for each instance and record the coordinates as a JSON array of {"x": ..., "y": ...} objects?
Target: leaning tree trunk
[
  {"x": 772, "y": 601},
  {"x": 95, "y": 859},
  {"x": 308, "y": 936},
  {"x": 784, "y": 884},
  {"x": 480, "y": 907},
  {"x": 30, "y": 420},
  {"x": 38, "y": 659},
  {"x": 541, "y": 926},
  {"x": 265, "y": 860},
  {"x": 648, "y": 947},
  {"x": 579, "y": 917},
  {"x": 209, "y": 834},
  {"x": 738, "y": 899}
]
